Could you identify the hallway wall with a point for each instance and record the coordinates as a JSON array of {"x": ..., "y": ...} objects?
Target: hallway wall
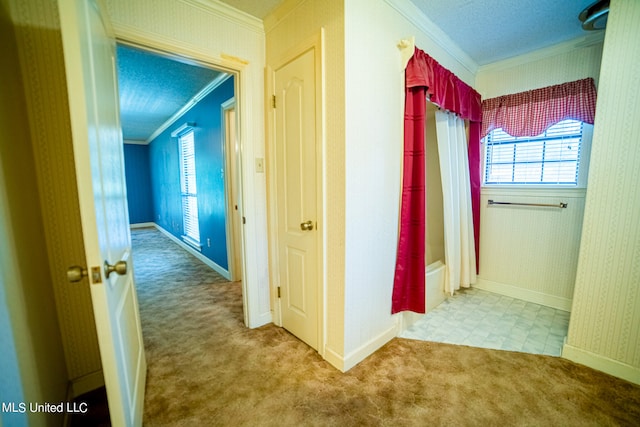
[
  {"x": 164, "y": 165},
  {"x": 37, "y": 28},
  {"x": 32, "y": 362},
  {"x": 138, "y": 176}
]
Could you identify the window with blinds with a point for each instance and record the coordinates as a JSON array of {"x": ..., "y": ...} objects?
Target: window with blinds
[
  {"x": 188, "y": 189},
  {"x": 552, "y": 158}
]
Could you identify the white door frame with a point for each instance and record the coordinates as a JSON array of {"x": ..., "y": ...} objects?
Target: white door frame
[
  {"x": 231, "y": 178},
  {"x": 232, "y": 66},
  {"x": 316, "y": 43}
]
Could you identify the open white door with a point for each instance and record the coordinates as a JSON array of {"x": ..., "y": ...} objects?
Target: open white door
[
  {"x": 89, "y": 53},
  {"x": 296, "y": 145}
]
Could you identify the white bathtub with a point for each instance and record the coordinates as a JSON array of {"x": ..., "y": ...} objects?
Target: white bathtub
[
  {"x": 434, "y": 294},
  {"x": 434, "y": 285}
]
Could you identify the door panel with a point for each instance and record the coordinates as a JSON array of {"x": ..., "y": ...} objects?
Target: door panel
[
  {"x": 89, "y": 52},
  {"x": 296, "y": 187}
]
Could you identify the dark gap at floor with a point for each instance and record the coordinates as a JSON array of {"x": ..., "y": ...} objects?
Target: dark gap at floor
[{"x": 97, "y": 410}]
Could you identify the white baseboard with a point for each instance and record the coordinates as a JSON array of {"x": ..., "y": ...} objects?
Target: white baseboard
[
  {"x": 142, "y": 225},
  {"x": 368, "y": 348},
  {"x": 223, "y": 272},
  {"x": 334, "y": 358},
  {"x": 344, "y": 363},
  {"x": 602, "y": 363},
  {"x": 512, "y": 291},
  {"x": 86, "y": 383}
]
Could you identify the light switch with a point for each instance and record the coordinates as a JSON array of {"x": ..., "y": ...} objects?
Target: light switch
[{"x": 259, "y": 165}]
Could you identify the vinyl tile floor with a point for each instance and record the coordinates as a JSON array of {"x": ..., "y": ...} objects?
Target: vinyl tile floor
[{"x": 478, "y": 318}]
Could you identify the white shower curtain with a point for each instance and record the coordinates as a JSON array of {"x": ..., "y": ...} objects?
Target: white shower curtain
[{"x": 460, "y": 256}]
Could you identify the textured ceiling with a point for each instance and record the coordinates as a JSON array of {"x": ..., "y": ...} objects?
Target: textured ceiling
[
  {"x": 487, "y": 30},
  {"x": 153, "y": 88},
  {"x": 492, "y": 30}
]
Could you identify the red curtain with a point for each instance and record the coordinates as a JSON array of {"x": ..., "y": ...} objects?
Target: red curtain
[
  {"x": 409, "y": 281},
  {"x": 530, "y": 113},
  {"x": 426, "y": 77}
]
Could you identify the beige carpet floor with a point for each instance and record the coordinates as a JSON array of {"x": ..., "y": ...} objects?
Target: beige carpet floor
[{"x": 206, "y": 369}]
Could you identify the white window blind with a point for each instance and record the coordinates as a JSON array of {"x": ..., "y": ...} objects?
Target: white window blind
[
  {"x": 552, "y": 157},
  {"x": 188, "y": 189}
]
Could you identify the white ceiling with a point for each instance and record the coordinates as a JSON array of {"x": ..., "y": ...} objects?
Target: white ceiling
[
  {"x": 153, "y": 88},
  {"x": 492, "y": 30},
  {"x": 487, "y": 30}
]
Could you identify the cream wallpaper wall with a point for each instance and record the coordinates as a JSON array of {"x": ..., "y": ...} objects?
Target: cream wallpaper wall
[
  {"x": 604, "y": 331},
  {"x": 32, "y": 360},
  {"x": 41, "y": 61},
  {"x": 528, "y": 253}
]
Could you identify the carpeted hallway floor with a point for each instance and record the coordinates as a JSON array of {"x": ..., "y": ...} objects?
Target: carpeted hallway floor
[{"x": 206, "y": 368}]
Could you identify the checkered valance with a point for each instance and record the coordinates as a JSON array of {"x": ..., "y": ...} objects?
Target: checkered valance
[{"x": 530, "y": 113}]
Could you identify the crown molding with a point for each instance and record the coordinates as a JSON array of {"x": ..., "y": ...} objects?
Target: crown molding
[
  {"x": 189, "y": 105},
  {"x": 229, "y": 13},
  {"x": 414, "y": 15},
  {"x": 547, "y": 52}
]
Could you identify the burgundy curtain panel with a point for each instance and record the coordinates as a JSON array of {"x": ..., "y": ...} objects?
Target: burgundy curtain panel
[
  {"x": 409, "y": 281},
  {"x": 424, "y": 77}
]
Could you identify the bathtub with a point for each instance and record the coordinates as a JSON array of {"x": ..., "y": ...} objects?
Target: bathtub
[{"x": 434, "y": 294}]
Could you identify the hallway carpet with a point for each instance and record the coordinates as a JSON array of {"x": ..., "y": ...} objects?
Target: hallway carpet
[{"x": 206, "y": 368}]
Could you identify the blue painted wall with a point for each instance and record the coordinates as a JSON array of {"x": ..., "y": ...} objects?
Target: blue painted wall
[
  {"x": 138, "y": 177},
  {"x": 164, "y": 163}
]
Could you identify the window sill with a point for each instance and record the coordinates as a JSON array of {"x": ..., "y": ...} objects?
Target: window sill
[{"x": 529, "y": 190}]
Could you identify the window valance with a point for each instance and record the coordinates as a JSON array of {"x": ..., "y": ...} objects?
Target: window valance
[{"x": 530, "y": 113}]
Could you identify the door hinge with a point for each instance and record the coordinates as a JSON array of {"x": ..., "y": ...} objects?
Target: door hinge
[
  {"x": 278, "y": 291},
  {"x": 273, "y": 101},
  {"x": 244, "y": 220}
]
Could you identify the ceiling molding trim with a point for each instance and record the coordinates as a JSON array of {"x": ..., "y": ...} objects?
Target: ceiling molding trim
[
  {"x": 189, "y": 105},
  {"x": 588, "y": 40},
  {"x": 414, "y": 15},
  {"x": 134, "y": 142},
  {"x": 275, "y": 17},
  {"x": 229, "y": 13}
]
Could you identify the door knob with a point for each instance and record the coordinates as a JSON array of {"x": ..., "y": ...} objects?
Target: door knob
[
  {"x": 306, "y": 226},
  {"x": 119, "y": 267},
  {"x": 76, "y": 273}
]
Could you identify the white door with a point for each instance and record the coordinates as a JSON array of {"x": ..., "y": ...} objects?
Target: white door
[
  {"x": 296, "y": 198},
  {"x": 89, "y": 52},
  {"x": 232, "y": 183}
]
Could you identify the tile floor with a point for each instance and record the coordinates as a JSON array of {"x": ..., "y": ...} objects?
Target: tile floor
[{"x": 479, "y": 318}]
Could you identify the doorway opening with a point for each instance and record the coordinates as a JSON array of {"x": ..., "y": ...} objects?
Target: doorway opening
[{"x": 164, "y": 97}]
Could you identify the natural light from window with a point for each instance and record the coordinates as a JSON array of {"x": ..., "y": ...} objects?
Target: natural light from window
[
  {"x": 189, "y": 192},
  {"x": 552, "y": 158}
]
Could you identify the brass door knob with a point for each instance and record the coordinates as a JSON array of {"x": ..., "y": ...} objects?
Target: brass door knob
[
  {"x": 119, "y": 267},
  {"x": 76, "y": 273},
  {"x": 306, "y": 226}
]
